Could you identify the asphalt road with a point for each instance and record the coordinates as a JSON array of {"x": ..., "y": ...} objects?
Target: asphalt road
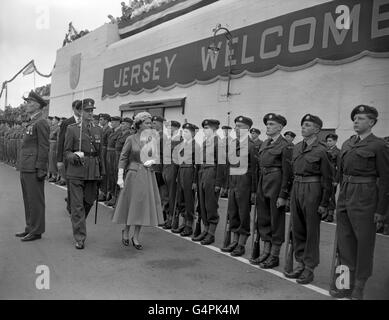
[{"x": 169, "y": 267}]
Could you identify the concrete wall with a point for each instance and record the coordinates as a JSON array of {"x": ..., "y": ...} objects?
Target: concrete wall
[{"x": 328, "y": 91}]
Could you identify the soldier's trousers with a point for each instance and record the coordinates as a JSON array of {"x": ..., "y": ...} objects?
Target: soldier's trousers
[
  {"x": 208, "y": 198},
  {"x": 332, "y": 202},
  {"x": 82, "y": 197},
  {"x": 169, "y": 174},
  {"x": 239, "y": 203},
  {"x": 271, "y": 220},
  {"x": 185, "y": 182},
  {"x": 34, "y": 202},
  {"x": 163, "y": 193},
  {"x": 305, "y": 201},
  {"x": 104, "y": 180},
  {"x": 53, "y": 158},
  {"x": 355, "y": 227},
  {"x": 112, "y": 172}
]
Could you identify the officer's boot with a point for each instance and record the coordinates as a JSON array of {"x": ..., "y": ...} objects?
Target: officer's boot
[
  {"x": 233, "y": 244},
  {"x": 102, "y": 196},
  {"x": 168, "y": 224},
  {"x": 265, "y": 254},
  {"x": 179, "y": 228},
  {"x": 202, "y": 235},
  {"x": 359, "y": 287},
  {"x": 112, "y": 202},
  {"x": 330, "y": 216},
  {"x": 188, "y": 229},
  {"x": 240, "y": 248},
  {"x": 295, "y": 273},
  {"x": 273, "y": 260},
  {"x": 210, "y": 237},
  {"x": 340, "y": 293}
]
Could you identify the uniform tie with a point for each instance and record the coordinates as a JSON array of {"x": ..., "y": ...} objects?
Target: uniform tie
[
  {"x": 304, "y": 145},
  {"x": 358, "y": 139}
]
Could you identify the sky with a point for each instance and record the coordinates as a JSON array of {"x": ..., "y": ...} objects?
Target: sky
[{"x": 35, "y": 29}]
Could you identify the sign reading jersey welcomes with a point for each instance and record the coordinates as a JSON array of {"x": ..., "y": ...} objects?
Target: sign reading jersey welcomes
[{"x": 332, "y": 33}]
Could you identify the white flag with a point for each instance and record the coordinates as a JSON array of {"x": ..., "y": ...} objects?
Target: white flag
[{"x": 29, "y": 69}]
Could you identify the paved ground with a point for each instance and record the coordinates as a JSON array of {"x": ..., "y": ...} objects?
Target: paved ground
[{"x": 169, "y": 267}]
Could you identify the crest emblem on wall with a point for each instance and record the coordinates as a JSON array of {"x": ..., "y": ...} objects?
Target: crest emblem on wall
[{"x": 75, "y": 67}]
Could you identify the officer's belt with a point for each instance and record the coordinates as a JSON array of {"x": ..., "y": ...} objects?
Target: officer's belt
[
  {"x": 52, "y": 141},
  {"x": 267, "y": 170},
  {"x": 358, "y": 179},
  {"x": 90, "y": 154},
  {"x": 307, "y": 179},
  {"x": 111, "y": 149}
]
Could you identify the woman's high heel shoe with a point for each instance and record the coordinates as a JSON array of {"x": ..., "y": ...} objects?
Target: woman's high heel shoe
[
  {"x": 136, "y": 246},
  {"x": 125, "y": 242}
]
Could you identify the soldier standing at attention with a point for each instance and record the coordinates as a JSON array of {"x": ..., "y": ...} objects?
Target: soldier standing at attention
[
  {"x": 241, "y": 165},
  {"x": 255, "y": 133},
  {"x": 309, "y": 199},
  {"x": 104, "y": 124},
  {"x": 290, "y": 136},
  {"x": 275, "y": 177},
  {"x": 84, "y": 169},
  {"x": 363, "y": 201},
  {"x": 211, "y": 180},
  {"x": 54, "y": 131},
  {"x": 333, "y": 155},
  {"x": 33, "y": 168}
]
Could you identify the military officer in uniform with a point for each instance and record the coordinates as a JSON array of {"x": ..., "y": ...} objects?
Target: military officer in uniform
[
  {"x": 255, "y": 133},
  {"x": 104, "y": 124},
  {"x": 333, "y": 154},
  {"x": 363, "y": 199},
  {"x": 211, "y": 179},
  {"x": 275, "y": 156},
  {"x": 309, "y": 198},
  {"x": 241, "y": 163},
  {"x": 84, "y": 169},
  {"x": 33, "y": 168},
  {"x": 290, "y": 136}
]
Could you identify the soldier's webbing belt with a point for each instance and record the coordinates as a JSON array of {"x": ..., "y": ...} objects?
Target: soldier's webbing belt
[
  {"x": 111, "y": 149},
  {"x": 266, "y": 170},
  {"x": 307, "y": 179},
  {"x": 358, "y": 179},
  {"x": 90, "y": 154}
]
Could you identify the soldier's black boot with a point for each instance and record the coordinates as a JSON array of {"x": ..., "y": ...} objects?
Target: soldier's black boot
[
  {"x": 330, "y": 216},
  {"x": 202, "y": 235},
  {"x": 187, "y": 232},
  {"x": 265, "y": 254},
  {"x": 233, "y": 244},
  {"x": 210, "y": 237},
  {"x": 102, "y": 197},
  {"x": 240, "y": 248},
  {"x": 359, "y": 287},
  {"x": 168, "y": 223},
  {"x": 296, "y": 272},
  {"x": 305, "y": 277},
  {"x": 273, "y": 260}
]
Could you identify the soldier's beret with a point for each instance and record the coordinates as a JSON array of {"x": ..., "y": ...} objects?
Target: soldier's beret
[
  {"x": 63, "y": 118},
  {"x": 290, "y": 133},
  {"x": 190, "y": 126},
  {"x": 312, "y": 118},
  {"x": 77, "y": 104},
  {"x": 57, "y": 118},
  {"x": 32, "y": 96},
  {"x": 105, "y": 116},
  {"x": 244, "y": 120},
  {"x": 174, "y": 124},
  {"x": 275, "y": 117},
  {"x": 255, "y": 130},
  {"x": 211, "y": 122},
  {"x": 226, "y": 128},
  {"x": 128, "y": 120},
  {"x": 158, "y": 118},
  {"x": 332, "y": 136},
  {"x": 96, "y": 117},
  {"x": 88, "y": 104},
  {"x": 50, "y": 118},
  {"x": 364, "y": 109},
  {"x": 116, "y": 119}
]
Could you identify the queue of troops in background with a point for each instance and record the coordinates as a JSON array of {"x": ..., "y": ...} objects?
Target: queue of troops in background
[{"x": 279, "y": 175}]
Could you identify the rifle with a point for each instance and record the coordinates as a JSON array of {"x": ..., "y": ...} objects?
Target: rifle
[
  {"x": 176, "y": 217},
  {"x": 97, "y": 201},
  {"x": 227, "y": 232},
  {"x": 334, "y": 262},
  {"x": 197, "y": 230},
  {"x": 289, "y": 251},
  {"x": 255, "y": 242}
]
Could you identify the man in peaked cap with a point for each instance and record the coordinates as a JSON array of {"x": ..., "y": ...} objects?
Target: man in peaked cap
[
  {"x": 309, "y": 199},
  {"x": 241, "y": 169},
  {"x": 33, "y": 168},
  {"x": 275, "y": 176},
  {"x": 211, "y": 180},
  {"x": 104, "y": 123},
  {"x": 363, "y": 200},
  {"x": 84, "y": 169},
  {"x": 333, "y": 155},
  {"x": 290, "y": 136}
]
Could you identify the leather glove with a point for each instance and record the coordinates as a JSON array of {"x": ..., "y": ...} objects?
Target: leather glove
[
  {"x": 74, "y": 159},
  {"x": 281, "y": 202},
  {"x": 41, "y": 174},
  {"x": 120, "y": 181}
]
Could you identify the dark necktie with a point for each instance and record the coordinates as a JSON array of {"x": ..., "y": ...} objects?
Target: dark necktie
[
  {"x": 358, "y": 139},
  {"x": 304, "y": 145}
]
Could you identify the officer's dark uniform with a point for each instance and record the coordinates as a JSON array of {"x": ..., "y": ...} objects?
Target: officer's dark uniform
[
  {"x": 257, "y": 142},
  {"x": 241, "y": 164},
  {"x": 361, "y": 195},
  {"x": 33, "y": 169},
  {"x": 170, "y": 171},
  {"x": 124, "y": 134},
  {"x": 275, "y": 179},
  {"x": 83, "y": 175},
  {"x": 311, "y": 189},
  {"x": 333, "y": 155},
  {"x": 211, "y": 175},
  {"x": 112, "y": 164},
  {"x": 104, "y": 182},
  {"x": 186, "y": 177}
]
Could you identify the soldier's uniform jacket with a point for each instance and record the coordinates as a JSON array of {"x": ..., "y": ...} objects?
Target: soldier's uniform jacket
[
  {"x": 170, "y": 152},
  {"x": 105, "y": 134},
  {"x": 367, "y": 158},
  {"x": 333, "y": 155},
  {"x": 188, "y": 154},
  {"x": 119, "y": 144},
  {"x": 34, "y": 152},
  {"x": 112, "y": 138},
  {"x": 210, "y": 157},
  {"x": 54, "y": 131},
  {"x": 313, "y": 161},
  {"x": 91, "y": 145},
  {"x": 277, "y": 155}
]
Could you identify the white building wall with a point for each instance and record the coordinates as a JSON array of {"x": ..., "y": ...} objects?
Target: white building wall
[{"x": 327, "y": 91}]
